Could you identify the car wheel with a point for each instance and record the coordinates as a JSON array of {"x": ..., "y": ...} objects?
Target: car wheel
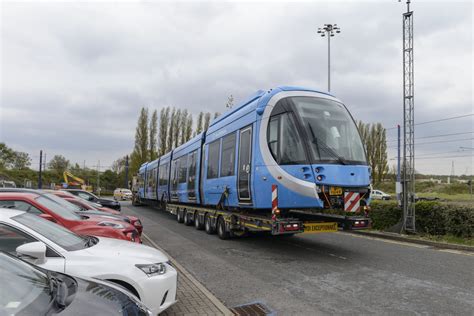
[
  {"x": 197, "y": 222},
  {"x": 222, "y": 231},
  {"x": 208, "y": 224},
  {"x": 179, "y": 216},
  {"x": 188, "y": 218}
]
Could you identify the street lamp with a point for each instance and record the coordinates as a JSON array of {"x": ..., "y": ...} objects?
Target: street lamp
[{"x": 329, "y": 30}]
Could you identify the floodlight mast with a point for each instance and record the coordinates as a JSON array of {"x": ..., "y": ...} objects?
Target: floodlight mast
[
  {"x": 329, "y": 30},
  {"x": 408, "y": 175}
]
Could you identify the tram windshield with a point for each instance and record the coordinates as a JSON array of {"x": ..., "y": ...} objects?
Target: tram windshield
[{"x": 333, "y": 135}]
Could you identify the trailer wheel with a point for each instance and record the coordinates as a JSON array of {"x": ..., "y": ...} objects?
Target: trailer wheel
[
  {"x": 179, "y": 216},
  {"x": 222, "y": 231},
  {"x": 188, "y": 218},
  {"x": 197, "y": 222},
  {"x": 208, "y": 224}
]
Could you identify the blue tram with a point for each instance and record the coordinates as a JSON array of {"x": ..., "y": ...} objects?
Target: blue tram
[{"x": 301, "y": 140}]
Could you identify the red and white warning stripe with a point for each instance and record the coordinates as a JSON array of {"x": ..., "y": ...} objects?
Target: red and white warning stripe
[
  {"x": 274, "y": 200},
  {"x": 352, "y": 201}
]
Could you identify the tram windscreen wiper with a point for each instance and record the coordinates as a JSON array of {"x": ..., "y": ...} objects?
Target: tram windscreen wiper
[{"x": 321, "y": 146}]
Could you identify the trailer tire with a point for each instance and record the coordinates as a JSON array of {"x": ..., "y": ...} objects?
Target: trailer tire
[
  {"x": 179, "y": 216},
  {"x": 197, "y": 221},
  {"x": 188, "y": 218},
  {"x": 208, "y": 224},
  {"x": 222, "y": 231}
]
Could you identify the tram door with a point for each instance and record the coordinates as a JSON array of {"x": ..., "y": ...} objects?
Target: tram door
[
  {"x": 245, "y": 168},
  {"x": 192, "y": 175}
]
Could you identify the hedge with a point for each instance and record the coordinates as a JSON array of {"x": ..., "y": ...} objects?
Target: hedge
[{"x": 433, "y": 218}]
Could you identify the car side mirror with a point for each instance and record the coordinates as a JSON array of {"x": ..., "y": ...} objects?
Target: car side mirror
[
  {"x": 48, "y": 217},
  {"x": 35, "y": 250}
]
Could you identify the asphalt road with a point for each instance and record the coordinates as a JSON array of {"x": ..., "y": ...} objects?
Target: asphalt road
[{"x": 319, "y": 274}]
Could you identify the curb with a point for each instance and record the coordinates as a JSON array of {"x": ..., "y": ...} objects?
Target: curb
[
  {"x": 182, "y": 270},
  {"x": 404, "y": 238}
]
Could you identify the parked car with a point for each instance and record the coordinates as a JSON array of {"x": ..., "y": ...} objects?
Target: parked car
[
  {"x": 122, "y": 194},
  {"x": 91, "y": 197},
  {"x": 7, "y": 184},
  {"x": 142, "y": 270},
  {"x": 88, "y": 208},
  {"x": 45, "y": 206},
  {"x": 29, "y": 290},
  {"x": 379, "y": 195}
]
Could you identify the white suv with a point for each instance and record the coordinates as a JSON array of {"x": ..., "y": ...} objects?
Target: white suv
[{"x": 379, "y": 195}]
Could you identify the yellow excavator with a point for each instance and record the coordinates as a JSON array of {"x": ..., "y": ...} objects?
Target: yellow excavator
[{"x": 74, "y": 182}]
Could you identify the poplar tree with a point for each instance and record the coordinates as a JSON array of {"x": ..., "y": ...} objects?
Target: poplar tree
[
  {"x": 170, "y": 142},
  {"x": 199, "y": 123},
  {"x": 184, "y": 122},
  {"x": 374, "y": 138},
  {"x": 177, "y": 128},
  {"x": 140, "y": 152},
  {"x": 207, "y": 120},
  {"x": 153, "y": 135},
  {"x": 189, "y": 127},
  {"x": 164, "y": 123}
]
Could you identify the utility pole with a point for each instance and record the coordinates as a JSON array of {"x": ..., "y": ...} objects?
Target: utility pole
[
  {"x": 126, "y": 172},
  {"x": 328, "y": 30},
  {"x": 40, "y": 179},
  {"x": 408, "y": 177},
  {"x": 98, "y": 178}
]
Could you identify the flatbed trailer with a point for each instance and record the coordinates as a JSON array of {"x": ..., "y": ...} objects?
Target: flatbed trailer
[{"x": 229, "y": 224}]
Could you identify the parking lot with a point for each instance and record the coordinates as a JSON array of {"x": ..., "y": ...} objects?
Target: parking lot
[{"x": 333, "y": 273}]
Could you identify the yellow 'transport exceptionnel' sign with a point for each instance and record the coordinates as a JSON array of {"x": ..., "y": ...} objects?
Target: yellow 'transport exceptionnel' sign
[{"x": 320, "y": 227}]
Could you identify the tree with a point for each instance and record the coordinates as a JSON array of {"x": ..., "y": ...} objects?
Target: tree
[
  {"x": 7, "y": 156},
  {"x": 177, "y": 128},
  {"x": 374, "y": 138},
  {"x": 230, "y": 102},
  {"x": 58, "y": 164},
  {"x": 189, "y": 127},
  {"x": 184, "y": 122},
  {"x": 216, "y": 114},
  {"x": 164, "y": 123},
  {"x": 140, "y": 152},
  {"x": 199, "y": 123},
  {"x": 169, "y": 144},
  {"x": 207, "y": 120},
  {"x": 153, "y": 135},
  {"x": 22, "y": 160}
]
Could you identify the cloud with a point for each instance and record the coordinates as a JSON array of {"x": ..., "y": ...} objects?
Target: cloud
[{"x": 74, "y": 75}]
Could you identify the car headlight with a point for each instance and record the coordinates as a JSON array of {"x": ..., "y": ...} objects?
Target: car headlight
[
  {"x": 110, "y": 224},
  {"x": 152, "y": 269}
]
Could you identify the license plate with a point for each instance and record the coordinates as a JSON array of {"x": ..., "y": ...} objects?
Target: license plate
[
  {"x": 320, "y": 227},
  {"x": 335, "y": 191}
]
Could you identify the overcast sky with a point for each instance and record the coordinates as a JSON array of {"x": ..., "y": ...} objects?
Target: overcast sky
[{"x": 74, "y": 75}]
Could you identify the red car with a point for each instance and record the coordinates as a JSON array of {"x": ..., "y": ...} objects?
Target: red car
[
  {"x": 47, "y": 208},
  {"x": 85, "y": 205}
]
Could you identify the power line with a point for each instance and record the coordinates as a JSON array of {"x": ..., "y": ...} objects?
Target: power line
[
  {"x": 445, "y": 157},
  {"x": 435, "y": 136},
  {"x": 438, "y": 120},
  {"x": 440, "y": 141}
]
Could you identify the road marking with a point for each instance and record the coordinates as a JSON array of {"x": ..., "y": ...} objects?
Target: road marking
[
  {"x": 389, "y": 241},
  {"x": 453, "y": 251},
  {"x": 457, "y": 252}
]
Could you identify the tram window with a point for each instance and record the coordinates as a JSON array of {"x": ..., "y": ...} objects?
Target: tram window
[
  {"x": 164, "y": 170},
  {"x": 213, "y": 160},
  {"x": 284, "y": 140},
  {"x": 182, "y": 169},
  {"x": 228, "y": 156},
  {"x": 192, "y": 164}
]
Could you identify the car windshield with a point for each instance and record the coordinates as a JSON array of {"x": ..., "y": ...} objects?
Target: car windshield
[
  {"x": 25, "y": 291},
  {"x": 67, "y": 205},
  {"x": 61, "y": 236},
  {"x": 57, "y": 208},
  {"x": 332, "y": 131}
]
